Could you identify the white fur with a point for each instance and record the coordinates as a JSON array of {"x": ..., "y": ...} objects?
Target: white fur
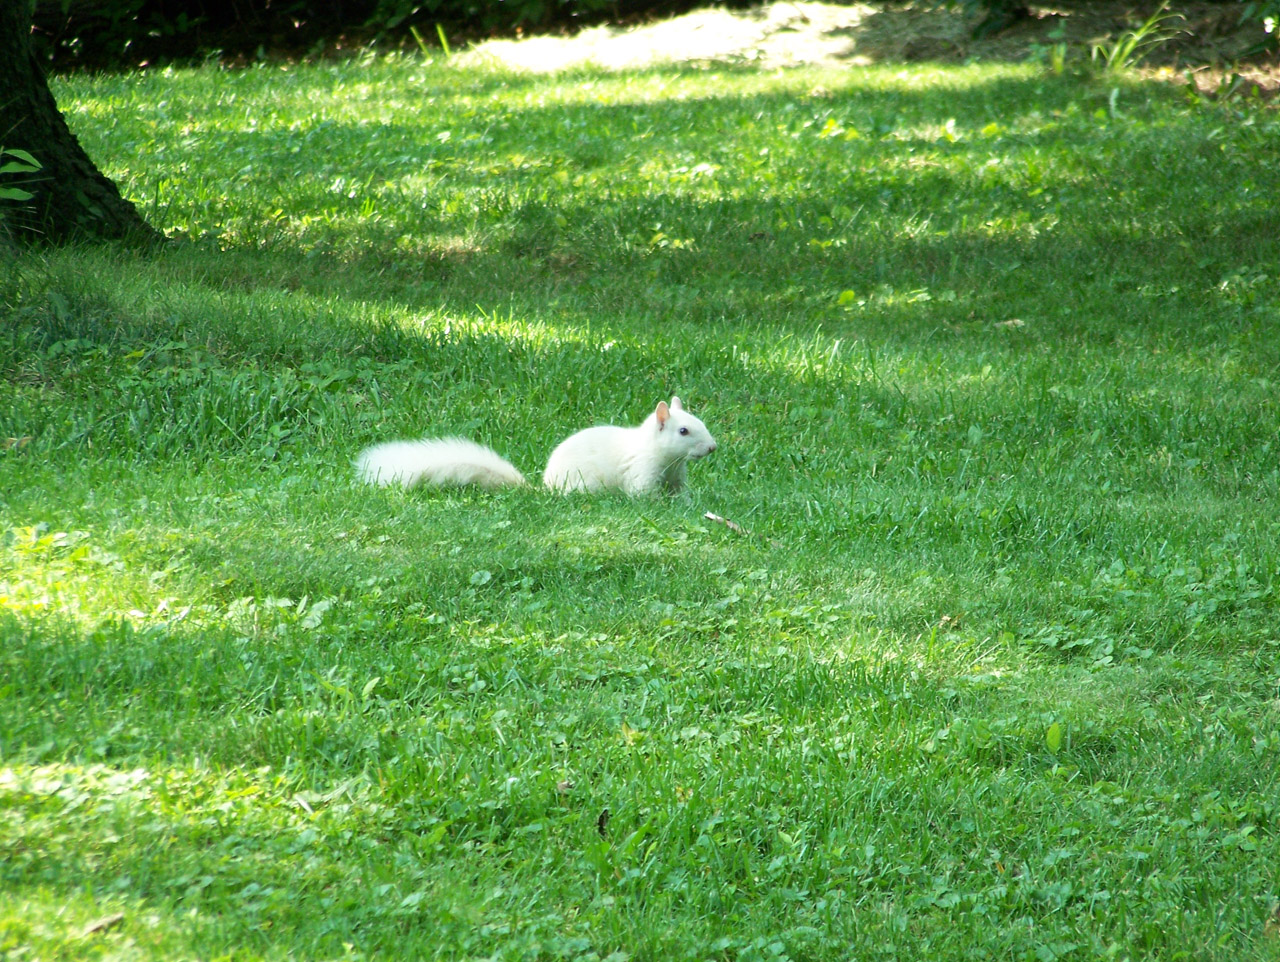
[
  {"x": 636, "y": 460},
  {"x": 639, "y": 460},
  {"x": 439, "y": 461}
]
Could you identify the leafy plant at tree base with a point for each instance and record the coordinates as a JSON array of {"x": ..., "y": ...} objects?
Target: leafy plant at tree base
[
  {"x": 22, "y": 163},
  {"x": 14, "y": 161}
]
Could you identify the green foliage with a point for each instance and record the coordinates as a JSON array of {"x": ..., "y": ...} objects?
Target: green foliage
[
  {"x": 15, "y": 161},
  {"x": 1266, "y": 12},
  {"x": 987, "y": 669},
  {"x": 1263, "y": 10},
  {"x": 16, "y": 168},
  {"x": 1131, "y": 47}
]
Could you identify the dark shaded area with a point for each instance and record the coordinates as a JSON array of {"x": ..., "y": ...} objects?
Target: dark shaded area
[
  {"x": 128, "y": 33},
  {"x": 83, "y": 34}
]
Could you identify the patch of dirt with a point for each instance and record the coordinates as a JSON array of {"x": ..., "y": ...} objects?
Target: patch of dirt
[{"x": 1210, "y": 39}]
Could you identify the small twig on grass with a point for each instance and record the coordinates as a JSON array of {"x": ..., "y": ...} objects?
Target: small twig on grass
[
  {"x": 731, "y": 525},
  {"x": 736, "y": 528},
  {"x": 107, "y": 922}
]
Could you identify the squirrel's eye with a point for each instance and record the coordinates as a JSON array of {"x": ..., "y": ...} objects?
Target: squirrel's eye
[{"x": 684, "y": 430}]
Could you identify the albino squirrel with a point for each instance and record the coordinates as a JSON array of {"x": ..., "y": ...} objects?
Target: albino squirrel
[{"x": 638, "y": 460}]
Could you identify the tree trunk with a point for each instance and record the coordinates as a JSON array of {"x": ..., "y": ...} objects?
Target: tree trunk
[{"x": 73, "y": 200}]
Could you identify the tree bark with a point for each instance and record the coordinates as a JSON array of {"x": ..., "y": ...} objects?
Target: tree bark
[{"x": 73, "y": 200}]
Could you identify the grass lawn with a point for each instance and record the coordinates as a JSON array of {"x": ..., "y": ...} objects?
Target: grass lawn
[{"x": 990, "y": 670}]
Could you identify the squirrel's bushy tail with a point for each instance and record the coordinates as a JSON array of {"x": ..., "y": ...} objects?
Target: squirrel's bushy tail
[{"x": 437, "y": 461}]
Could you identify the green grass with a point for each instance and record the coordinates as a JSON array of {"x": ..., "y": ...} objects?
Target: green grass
[{"x": 992, "y": 358}]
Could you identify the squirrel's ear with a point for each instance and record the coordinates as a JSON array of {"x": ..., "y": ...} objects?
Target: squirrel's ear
[
  {"x": 675, "y": 404},
  {"x": 662, "y": 414}
]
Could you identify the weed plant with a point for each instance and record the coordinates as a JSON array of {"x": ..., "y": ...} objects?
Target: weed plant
[
  {"x": 990, "y": 669},
  {"x": 1132, "y": 46}
]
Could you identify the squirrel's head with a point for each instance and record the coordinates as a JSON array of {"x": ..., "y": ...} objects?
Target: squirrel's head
[{"x": 680, "y": 433}]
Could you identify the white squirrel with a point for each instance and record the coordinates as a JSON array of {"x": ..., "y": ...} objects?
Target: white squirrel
[{"x": 639, "y": 460}]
